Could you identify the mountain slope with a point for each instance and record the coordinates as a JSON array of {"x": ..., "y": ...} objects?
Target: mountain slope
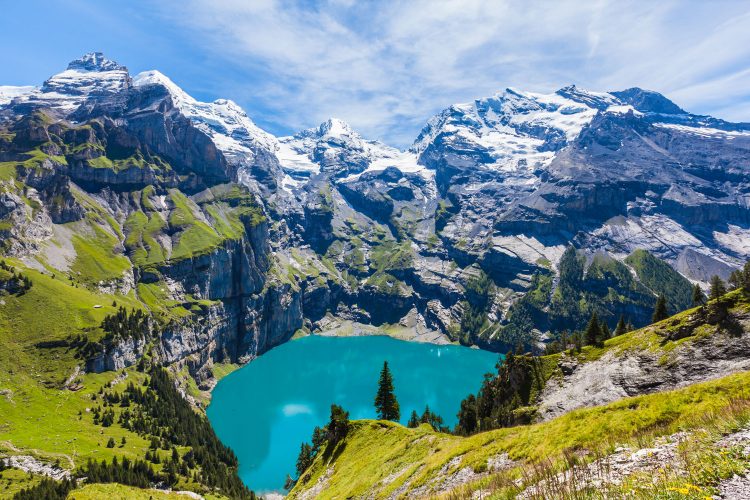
[{"x": 693, "y": 351}]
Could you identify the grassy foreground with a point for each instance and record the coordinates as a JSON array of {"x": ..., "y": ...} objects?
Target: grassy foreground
[{"x": 380, "y": 457}]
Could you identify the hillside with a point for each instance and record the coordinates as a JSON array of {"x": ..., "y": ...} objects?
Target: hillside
[
  {"x": 151, "y": 243},
  {"x": 708, "y": 363}
]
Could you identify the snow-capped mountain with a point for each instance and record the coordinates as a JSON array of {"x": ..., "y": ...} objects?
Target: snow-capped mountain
[
  {"x": 89, "y": 79},
  {"x": 228, "y": 126},
  {"x": 617, "y": 171},
  {"x": 335, "y": 149},
  {"x": 503, "y": 183}
]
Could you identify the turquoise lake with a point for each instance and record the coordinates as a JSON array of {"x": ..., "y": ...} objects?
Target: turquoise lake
[{"x": 266, "y": 409}]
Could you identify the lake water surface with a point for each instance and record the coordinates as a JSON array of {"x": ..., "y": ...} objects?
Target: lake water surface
[{"x": 267, "y": 408}]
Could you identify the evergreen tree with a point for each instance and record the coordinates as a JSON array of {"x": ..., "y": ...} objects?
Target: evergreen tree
[
  {"x": 385, "y": 400},
  {"x": 432, "y": 418},
  {"x": 660, "y": 310},
  {"x": 304, "y": 459},
  {"x": 593, "y": 330},
  {"x": 621, "y": 328},
  {"x": 718, "y": 288},
  {"x": 413, "y": 420},
  {"x": 746, "y": 277},
  {"x": 605, "y": 331},
  {"x": 699, "y": 298},
  {"x": 735, "y": 280},
  {"x": 467, "y": 416},
  {"x": 571, "y": 267},
  {"x": 338, "y": 426}
]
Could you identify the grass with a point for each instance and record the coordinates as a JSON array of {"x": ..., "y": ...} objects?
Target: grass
[
  {"x": 375, "y": 450},
  {"x": 96, "y": 259},
  {"x": 141, "y": 242},
  {"x": 39, "y": 417},
  {"x": 120, "y": 492}
]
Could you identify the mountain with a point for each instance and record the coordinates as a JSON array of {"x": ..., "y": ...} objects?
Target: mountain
[
  {"x": 141, "y": 228},
  {"x": 361, "y": 231}
]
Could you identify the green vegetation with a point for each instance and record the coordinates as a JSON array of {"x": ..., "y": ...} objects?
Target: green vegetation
[
  {"x": 47, "y": 489},
  {"x": 325, "y": 438},
  {"x": 659, "y": 277},
  {"x": 386, "y": 404},
  {"x": 660, "y": 310},
  {"x": 479, "y": 293},
  {"x": 374, "y": 450},
  {"x": 12, "y": 281}
]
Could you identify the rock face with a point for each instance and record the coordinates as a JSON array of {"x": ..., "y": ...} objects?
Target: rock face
[
  {"x": 352, "y": 227},
  {"x": 643, "y": 371}
]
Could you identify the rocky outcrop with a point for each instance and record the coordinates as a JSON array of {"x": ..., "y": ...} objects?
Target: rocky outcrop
[{"x": 713, "y": 351}]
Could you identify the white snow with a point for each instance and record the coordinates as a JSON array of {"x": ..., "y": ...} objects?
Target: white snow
[
  {"x": 623, "y": 109},
  {"x": 223, "y": 120},
  {"x": 293, "y": 158},
  {"x": 521, "y": 131},
  {"x": 9, "y": 92},
  {"x": 66, "y": 91},
  {"x": 704, "y": 131}
]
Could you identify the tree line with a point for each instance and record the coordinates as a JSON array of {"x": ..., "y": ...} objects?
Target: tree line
[{"x": 12, "y": 281}]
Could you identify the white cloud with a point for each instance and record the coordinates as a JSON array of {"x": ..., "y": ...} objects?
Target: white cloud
[{"x": 387, "y": 66}]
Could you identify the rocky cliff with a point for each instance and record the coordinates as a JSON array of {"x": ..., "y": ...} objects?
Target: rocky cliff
[{"x": 233, "y": 239}]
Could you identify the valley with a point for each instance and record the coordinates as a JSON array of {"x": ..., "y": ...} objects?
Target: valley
[{"x": 152, "y": 244}]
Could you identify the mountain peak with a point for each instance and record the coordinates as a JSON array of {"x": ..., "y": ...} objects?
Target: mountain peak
[
  {"x": 648, "y": 101},
  {"x": 334, "y": 127},
  {"x": 95, "y": 61}
]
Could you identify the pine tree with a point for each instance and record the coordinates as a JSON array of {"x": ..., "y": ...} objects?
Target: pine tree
[
  {"x": 593, "y": 330},
  {"x": 605, "y": 331},
  {"x": 660, "y": 310},
  {"x": 735, "y": 280},
  {"x": 571, "y": 267},
  {"x": 621, "y": 328},
  {"x": 338, "y": 426},
  {"x": 699, "y": 298},
  {"x": 718, "y": 289},
  {"x": 385, "y": 400},
  {"x": 467, "y": 416},
  {"x": 304, "y": 459},
  {"x": 413, "y": 420},
  {"x": 746, "y": 277}
]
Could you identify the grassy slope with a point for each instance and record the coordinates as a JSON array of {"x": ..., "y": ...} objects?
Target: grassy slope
[
  {"x": 376, "y": 450},
  {"x": 38, "y": 416}
]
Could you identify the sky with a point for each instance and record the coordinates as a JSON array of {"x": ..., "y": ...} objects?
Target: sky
[{"x": 387, "y": 66}]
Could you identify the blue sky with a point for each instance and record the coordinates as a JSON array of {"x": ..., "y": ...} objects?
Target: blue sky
[{"x": 386, "y": 67}]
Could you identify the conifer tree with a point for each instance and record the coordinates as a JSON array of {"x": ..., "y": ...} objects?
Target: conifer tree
[
  {"x": 621, "y": 328},
  {"x": 735, "y": 280},
  {"x": 304, "y": 459},
  {"x": 699, "y": 298},
  {"x": 338, "y": 426},
  {"x": 467, "y": 416},
  {"x": 593, "y": 330},
  {"x": 385, "y": 400},
  {"x": 605, "y": 331},
  {"x": 660, "y": 310},
  {"x": 413, "y": 420},
  {"x": 718, "y": 288}
]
